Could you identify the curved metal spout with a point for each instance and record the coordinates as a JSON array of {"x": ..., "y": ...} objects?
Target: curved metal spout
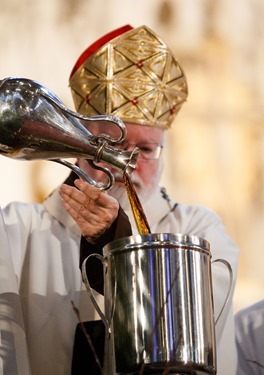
[{"x": 35, "y": 124}]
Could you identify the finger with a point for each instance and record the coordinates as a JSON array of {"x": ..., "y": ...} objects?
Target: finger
[
  {"x": 72, "y": 195},
  {"x": 79, "y": 211},
  {"x": 82, "y": 207},
  {"x": 99, "y": 197},
  {"x": 92, "y": 209},
  {"x": 74, "y": 213},
  {"x": 91, "y": 227}
]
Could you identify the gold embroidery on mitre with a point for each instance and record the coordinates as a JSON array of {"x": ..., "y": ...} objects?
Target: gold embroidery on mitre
[{"x": 134, "y": 77}]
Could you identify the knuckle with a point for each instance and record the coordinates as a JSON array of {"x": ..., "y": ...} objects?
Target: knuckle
[
  {"x": 87, "y": 201},
  {"x": 97, "y": 196}
]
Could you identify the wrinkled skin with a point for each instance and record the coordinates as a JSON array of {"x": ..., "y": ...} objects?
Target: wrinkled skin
[
  {"x": 92, "y": 209},
  {"x": 95, "y": 210}
]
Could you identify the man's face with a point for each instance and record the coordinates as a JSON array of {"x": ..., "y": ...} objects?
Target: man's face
[{"x": 147, "y": 173}]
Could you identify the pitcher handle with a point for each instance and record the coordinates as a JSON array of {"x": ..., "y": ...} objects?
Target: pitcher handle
[
  {"x": 106, "y": 322},
  {"x": 90, "y": 290},
  {"x": 109, "y": 355},
  {"x": 227, "y": 264}
]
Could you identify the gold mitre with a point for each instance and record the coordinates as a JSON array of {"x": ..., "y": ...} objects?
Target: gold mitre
[{"x": 132, "y": 74}]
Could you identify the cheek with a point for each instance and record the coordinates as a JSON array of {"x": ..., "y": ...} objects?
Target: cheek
[{"x": 148, "y": 171}]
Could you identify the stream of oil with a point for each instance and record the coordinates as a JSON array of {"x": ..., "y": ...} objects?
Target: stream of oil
[{"x": 137, "y": 209}]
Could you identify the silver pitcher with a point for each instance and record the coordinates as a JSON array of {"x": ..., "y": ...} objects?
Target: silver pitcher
[
  {"x": 159, "y": 313},
  {"x": 35, "y": 124}
]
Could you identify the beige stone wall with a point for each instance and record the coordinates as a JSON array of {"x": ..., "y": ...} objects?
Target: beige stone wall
[{"x": 215, "y": 153}]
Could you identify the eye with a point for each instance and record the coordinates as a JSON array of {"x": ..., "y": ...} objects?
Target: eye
[{"x": 147, "y": 149}]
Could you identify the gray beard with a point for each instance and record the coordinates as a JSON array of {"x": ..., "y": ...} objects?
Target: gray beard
[{"x": 120, "y": 194}]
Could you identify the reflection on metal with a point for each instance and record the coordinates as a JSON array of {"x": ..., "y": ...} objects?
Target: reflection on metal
[
  {"x": 35, "y": 124},
  {"x": 160, "y": 304}
]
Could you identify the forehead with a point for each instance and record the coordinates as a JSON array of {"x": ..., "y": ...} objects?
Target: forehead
[{"x": 135, "y": 133}]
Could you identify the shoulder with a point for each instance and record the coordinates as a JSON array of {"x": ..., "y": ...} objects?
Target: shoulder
[
  {"x": 249, "y": 329},
  {"x": 203, "y": 222},
  {"x": 197, "y": 216},
  {"x": 197, "y": 209},
  {"x": 22, "y": 210},
  {"x": 250, "y": 323},
  {"x": 180, "y": 211},
  {"x": 25, "y": 218},
  {"x": 253, "y": 314}
]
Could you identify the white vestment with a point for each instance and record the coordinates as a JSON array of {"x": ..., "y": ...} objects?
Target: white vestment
[
  {"x": 44, "y": 245},
  {"x": 249, "y": 328}
]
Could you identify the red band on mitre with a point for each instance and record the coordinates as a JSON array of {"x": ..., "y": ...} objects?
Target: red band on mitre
[{"x": 98, "y": 44}]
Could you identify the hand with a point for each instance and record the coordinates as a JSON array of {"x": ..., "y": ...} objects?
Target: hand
[{"x": 92, "y": 209}]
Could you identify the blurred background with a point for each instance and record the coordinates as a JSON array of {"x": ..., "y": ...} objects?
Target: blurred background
[{"x": 215, "y": 150}]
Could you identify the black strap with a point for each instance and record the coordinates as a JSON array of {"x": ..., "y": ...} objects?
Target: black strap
[
  {"x": 94, "y": 269},
  {"x": 88, "y": 350}
]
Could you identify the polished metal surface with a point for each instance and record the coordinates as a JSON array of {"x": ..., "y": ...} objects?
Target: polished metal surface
[
  {"x": 163, "y": 317},
  {"x": 35, "y": 124},
  {"x": 158, "y": 311}
]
